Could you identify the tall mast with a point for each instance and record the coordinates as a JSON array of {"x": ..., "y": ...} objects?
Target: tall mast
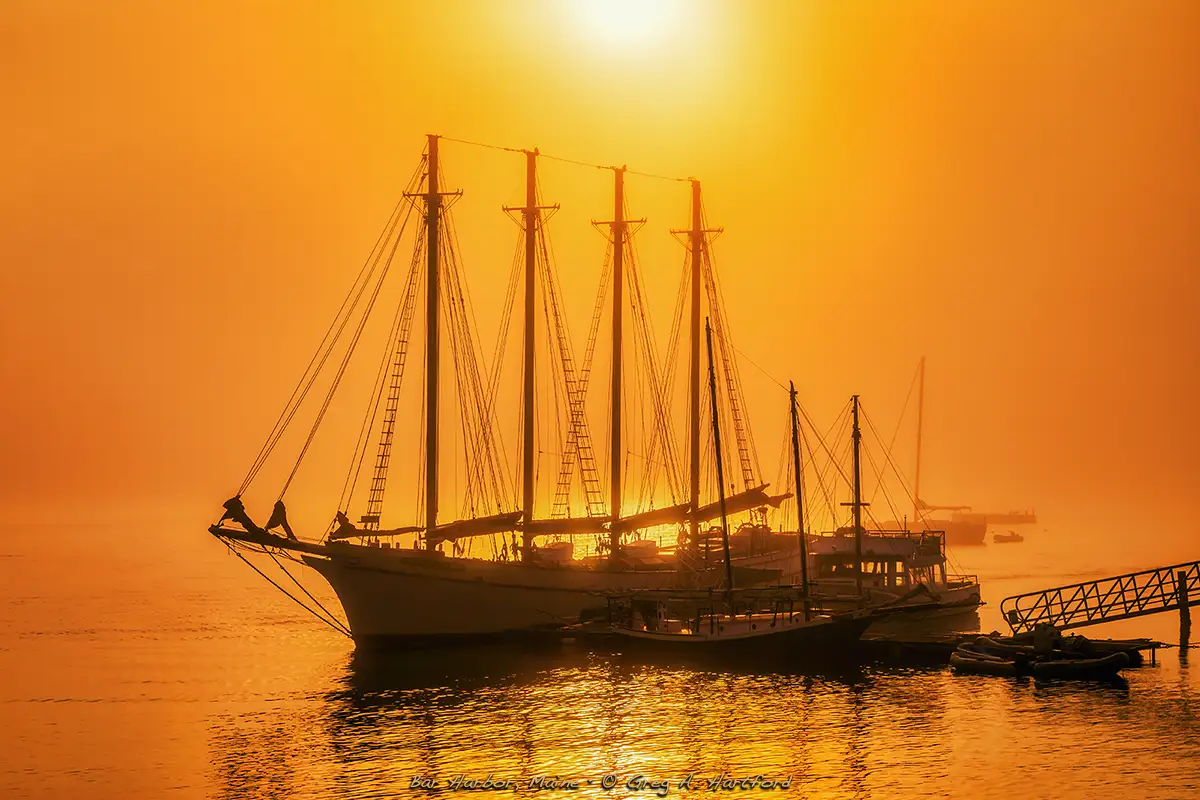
[
  {"x": 858, "y": 504},
  {"x": 531, "y": 220},
  {"x": 618, "y": 241},
  {"x": 920, "y": 422},
  {"x": 697, "y": 246},
  {"x": 716, "y": 419},
  {"x": 799, "y": 498},
  {"x": 433, "y": 203}
]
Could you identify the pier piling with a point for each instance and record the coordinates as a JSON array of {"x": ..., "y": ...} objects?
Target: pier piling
[{"x": 1185, "y": 613}]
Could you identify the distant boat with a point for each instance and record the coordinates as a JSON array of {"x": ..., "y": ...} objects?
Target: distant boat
[
  {"x": 965, "y": 527},
  {"x": 1006, "y": 538}
]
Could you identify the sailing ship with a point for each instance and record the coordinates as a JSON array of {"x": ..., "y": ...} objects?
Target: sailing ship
[
  {"x": 382, "y": 585},
  {"x": 887, "y": 568}
]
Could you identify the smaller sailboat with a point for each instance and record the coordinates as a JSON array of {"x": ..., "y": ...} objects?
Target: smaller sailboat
[
  {"x": 1011, "y": 537},
  {"x": 779, "y": 620},
  {"x": 886, "y": 566}
]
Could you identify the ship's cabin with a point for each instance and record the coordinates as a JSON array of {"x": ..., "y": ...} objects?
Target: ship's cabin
[{"x": 891, "y": 559}]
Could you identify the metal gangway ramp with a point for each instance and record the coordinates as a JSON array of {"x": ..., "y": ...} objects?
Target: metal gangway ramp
[{"x": 1134, "y": 594}]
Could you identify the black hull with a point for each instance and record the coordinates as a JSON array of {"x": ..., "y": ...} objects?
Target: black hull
[{"x": 834, "y": 640}]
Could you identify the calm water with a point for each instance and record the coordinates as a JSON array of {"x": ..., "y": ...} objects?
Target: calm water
[{"x": 139, "y": 663}]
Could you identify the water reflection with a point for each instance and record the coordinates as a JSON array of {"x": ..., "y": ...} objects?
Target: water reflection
[{"x": 862, "y": 732}]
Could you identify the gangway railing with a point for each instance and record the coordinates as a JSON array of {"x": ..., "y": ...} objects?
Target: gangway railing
[{"x": 1135, "y": 594}]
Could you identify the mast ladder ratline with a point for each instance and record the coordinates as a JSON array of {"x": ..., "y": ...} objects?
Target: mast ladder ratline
[
  {"x": 579, "y": 439},
  {"x": 729, "y": 370},
  {"x": 387, "y": 430},
  {"x": 1134, "y": 594},
  {"x": 571, "y": 448}
]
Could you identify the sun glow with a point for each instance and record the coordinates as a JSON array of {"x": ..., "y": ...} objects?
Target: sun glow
[{"x": 626, "y": 20}]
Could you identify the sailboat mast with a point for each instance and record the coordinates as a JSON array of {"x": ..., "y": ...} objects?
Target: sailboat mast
[
  {"x": 433, "y": 202},
  {"x": 531, "y": 219},
  {"x": 716, "y": 419},
  {"x": 857, "y": 438},
  {"x": 618, "y": 242},
  {"x": 697, "y": 247},
  {"x": 920, "y": 423},
  {"x": 799, "y": 498}
]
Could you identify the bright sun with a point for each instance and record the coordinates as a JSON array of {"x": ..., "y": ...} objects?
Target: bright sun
[{"x": 626, "y": 20}]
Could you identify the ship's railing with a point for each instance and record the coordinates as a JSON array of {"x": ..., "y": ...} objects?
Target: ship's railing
[
  {"x": 882, "y": 533},
  {"x": 972, "y": 580},
  {"x": 1134, "y": 594}
]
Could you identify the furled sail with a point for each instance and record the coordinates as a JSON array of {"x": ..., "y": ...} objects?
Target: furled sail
[
  {"x": 480, "y": 526},
  {"x": 565, "y": 527},
  {"x": 657, "y": 516},
  {"x": 742, "y": 501}
]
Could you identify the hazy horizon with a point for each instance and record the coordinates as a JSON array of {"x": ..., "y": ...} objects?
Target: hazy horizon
[{"x": 1010, "y": 192}]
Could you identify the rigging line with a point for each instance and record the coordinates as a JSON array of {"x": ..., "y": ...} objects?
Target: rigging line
[
  {"x": 575, "y": 447},
  {"x": 462, "y": 350},
  {"x": 887, "y": 455},
  {"x": 467, "y": 358},
  {"x": 908, "y": 491},
  {"x": 729, "y": 369},
  {"x": 398, "y": 359},
  {"x": 561, "y": 158},
  {"x": 319, "y": 357},
  {"x": 824, "y": 446},
  {"x": 657, "y": 381},
  {"x": 833, "y": 462},
  {"x": 285, "y": 417},
  {"x": 294, "y": 599},
  {"x": 402, "y": 222},
  {"x": 878, "y": 475},
  {"x": 393, "y": 343},
  {"x": 482, "y": 144},
  {"x": 754, "y": 364},
  {"x": 503, "y": 483},
  {"x": 332, "y": 618},
  {"x": 904, "y": 408},
  {"x": 337, "y": 378},
  {"x": 422, "y": 444},
  {"x": 821, "y": 474}
]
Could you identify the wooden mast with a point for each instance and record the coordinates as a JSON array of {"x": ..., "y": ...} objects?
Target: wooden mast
[
  {"x": 531, "y": 220},
  {"x": 799, "y": 499},
  {"x": 716, "y": 419},
  {"x": 618, "y": 242},
  {"x": 920, "y": 423},
  {"x": 697, "y": 246},
  {"x": 858, "y": 504},
  {"x": 433, "y": 202}
]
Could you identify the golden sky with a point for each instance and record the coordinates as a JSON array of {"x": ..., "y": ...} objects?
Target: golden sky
[{"x": 1011, "y": 189}]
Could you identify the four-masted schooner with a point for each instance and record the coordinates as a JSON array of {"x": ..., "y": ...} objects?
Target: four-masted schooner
[{"x": 393, "y": 593}]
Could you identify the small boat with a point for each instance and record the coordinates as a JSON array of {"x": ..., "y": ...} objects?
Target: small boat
[
  {"x": 988, "y": 656},
  {"x": 748, "y": 622},
  {"x": 1006, "y": 538},
  {"x": 1104, "y": 667},
  {"x": 978, "y": 663}
]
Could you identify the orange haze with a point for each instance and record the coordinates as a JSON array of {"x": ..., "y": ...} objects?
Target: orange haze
[{"x": 1010, "y": 189}]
